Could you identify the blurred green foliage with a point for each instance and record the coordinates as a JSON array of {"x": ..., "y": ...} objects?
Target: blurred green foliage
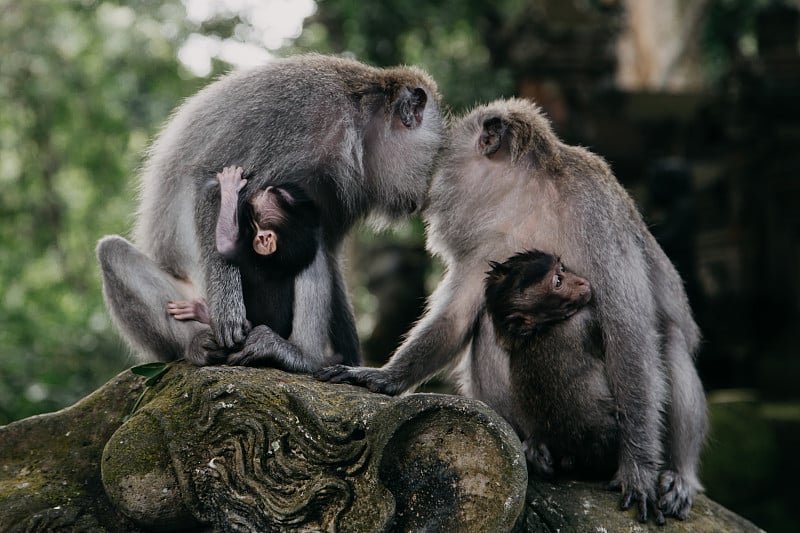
[{"x": 83, "y": 86}]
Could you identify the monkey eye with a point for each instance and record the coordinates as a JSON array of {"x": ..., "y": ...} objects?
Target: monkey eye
[{"x": 557, "y": 281}]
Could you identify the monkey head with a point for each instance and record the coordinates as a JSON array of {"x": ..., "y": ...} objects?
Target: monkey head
[
  {"x": 402, "y": 139},
  {"x": 532, "y": 290},
  {"x": 284, "y": 225},
  {"x": 485, "y": 171}
]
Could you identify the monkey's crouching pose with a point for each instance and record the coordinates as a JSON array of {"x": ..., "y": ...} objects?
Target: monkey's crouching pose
[
  {"x": 274, "y": 239},
  {"x": 358, "y": 140},
  {"x": 507, "y": 183},
  {"x": 566, "y": 414}
]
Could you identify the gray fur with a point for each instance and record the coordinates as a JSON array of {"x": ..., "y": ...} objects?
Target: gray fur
[
  {"x": 330, "y": 125},
  {"x": 492, "y": 198}
]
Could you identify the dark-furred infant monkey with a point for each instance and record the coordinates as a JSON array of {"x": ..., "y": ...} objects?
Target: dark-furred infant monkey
[
  {"x": 566, "y": 416},
  {"x": 272, "y": 237}
]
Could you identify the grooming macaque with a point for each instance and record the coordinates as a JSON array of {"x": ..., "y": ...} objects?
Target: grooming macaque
[
  {"x": 272, "y": 239},
  {"x": 570, "y": 419},
  {"x": 358, "y": 140},
  {"x": 507, "y": 183}
]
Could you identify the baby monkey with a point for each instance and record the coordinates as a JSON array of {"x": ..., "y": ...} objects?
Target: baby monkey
[
  {"x": 565, "y": 411},
  {"x": 272, "y": 237}
]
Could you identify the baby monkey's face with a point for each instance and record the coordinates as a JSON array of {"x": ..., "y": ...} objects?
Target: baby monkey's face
[
  {"x": 557, "y": 296},
  {"x": 271, "y": 208},
  {"x": 532, "y": 290}
]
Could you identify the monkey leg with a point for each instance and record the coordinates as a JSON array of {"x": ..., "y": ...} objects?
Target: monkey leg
[
  {"x": 687, "y": 426},
  {"x": 265, "y": 347},
  {"x": 136, "y": 292}
]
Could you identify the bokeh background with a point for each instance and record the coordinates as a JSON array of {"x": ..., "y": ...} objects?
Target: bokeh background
[{"x": 693, "y": 103}]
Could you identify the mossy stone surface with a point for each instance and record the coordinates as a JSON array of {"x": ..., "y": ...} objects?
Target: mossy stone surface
[{"x": 232, "y": 449}]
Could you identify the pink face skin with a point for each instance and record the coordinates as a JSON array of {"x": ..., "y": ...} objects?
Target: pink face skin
[{"x": 268, "y": 215}]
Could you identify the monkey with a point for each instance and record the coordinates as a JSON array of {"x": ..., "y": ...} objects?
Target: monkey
[
  {"x": 361, "y": 141},
  {"x": 271, "y": 239},
  {"x": 506, "y": 182},
  {"x": 570, "y": 420}
]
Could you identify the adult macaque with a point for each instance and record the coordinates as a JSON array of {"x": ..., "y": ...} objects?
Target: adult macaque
[
  {"x": 357, "y": 139},
  {"x": 507, "y": 183},
  {"x": 275, "y": 241}
]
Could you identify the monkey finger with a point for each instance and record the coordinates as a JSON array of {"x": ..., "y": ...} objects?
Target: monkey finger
[
  {"x": 641, "y": 511},
  {"x": 334, "y": 374},
  {"x": 659, "y": 516},
  {"x": 627, "y": 501}
]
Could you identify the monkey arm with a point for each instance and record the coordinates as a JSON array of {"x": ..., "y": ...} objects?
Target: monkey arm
[
  {"x": 222, "y": 279},
  {"x": 627, "y": 313},
  {"x": 343, "y": 335},
  {"x": 432, "y": 344},
  {"x": 312, "y": 313},
  {"x": 227, "y": 230}
]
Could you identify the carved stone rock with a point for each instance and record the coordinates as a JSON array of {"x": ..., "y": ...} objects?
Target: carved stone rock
[
  {"x": 239, "y": 449},
  {"x": 244, "y": 449}
]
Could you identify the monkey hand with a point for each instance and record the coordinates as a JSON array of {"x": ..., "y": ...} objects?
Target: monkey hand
[
  {"x": 674, "y": 494},
  {"x": 203, "y": 350},
  {"x": 265, "y": 347},
  {"x": 638, "y": 488},
  {"x": 374, "y": 379},
  {"x": 539, "y": 457},
  {"x": 261, "y": 346},
  {"x": 230, "y": 334},
  {"x": 230, "y": 179}
]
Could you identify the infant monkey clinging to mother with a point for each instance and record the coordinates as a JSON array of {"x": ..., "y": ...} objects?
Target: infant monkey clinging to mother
[{"x": 274, "y": 237}]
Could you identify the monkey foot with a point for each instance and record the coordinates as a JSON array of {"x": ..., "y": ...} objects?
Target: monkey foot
[
  {"x": 644, "y": 499},
  {"x": 539, "y": 457},
  {"x": 674, "y": 494}
]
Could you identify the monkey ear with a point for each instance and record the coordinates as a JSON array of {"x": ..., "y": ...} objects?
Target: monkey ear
[
  {"x": 494, "y": 130},
  {"x": 497, "y": 277},
  {"x": 411, "y": 106},
  {"x": 497, "y": 269}
]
